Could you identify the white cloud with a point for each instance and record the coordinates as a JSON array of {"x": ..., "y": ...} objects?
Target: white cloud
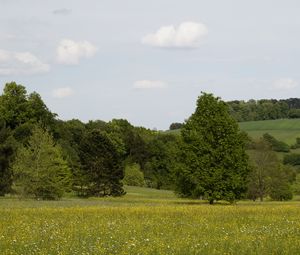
[
  {"x": 14, "y": 63},
  {"x": 284, "y": 83},
  {"x": 149, "y": 84},
  {"x": 186, "y": 35},
  {"x": 62, "y": 92},
  {"x": 70, "y": 52}
]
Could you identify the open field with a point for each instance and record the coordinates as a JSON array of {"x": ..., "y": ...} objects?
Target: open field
[
  {"x": 285, "y": 130},
  {"x": 147, "y": 221}
]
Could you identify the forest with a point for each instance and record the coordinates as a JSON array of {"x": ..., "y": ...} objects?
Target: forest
[{"x": 43, "y": 157}]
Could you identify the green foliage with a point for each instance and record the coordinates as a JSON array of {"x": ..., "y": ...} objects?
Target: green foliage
[
  {"x": 133, "y": 175},
  {"x": 297, "y": 144},
  {"x": 175, "y": 126},
  {"x": 39, "y": 169},
  {"x": 68, "y": 134},
  {"x": 133, "y": 141},
  {"x": 294, "y": 113},
  {"x": 286, "y": 130},
  {"x": 162, "y": 151},
  {"x": 292, "y": 159},
  {"x": 275, "y": 144},
  {"x": 23, "y": 132},
  {"x": 16, "y": 107},
  {"x": 280, "y": 186},
  {"x": 268, "y": 175},
  {"x": 213, "y": 162},
  {"x": 265, "y": 109},
  {"x": 263, "y": 161},
  {"x": 282, "y": 192},
  {"x": 296, "y": 185},
  {"x": 13, "y": 104},
  {"x": 102, "y": 167},
  {"x": 7, "y": 150}
]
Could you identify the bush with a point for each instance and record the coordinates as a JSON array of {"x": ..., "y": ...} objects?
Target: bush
[
  {"x": 282, "y": 193},
  {"x": 134, "y": 176},
  {"x": 276, "y": 145},
  {"x": 297, "y": 144},
  {"x": 292, "y": 159},
  {"x": 296, "y": 185},
  {"x": 294, "y": 113}
]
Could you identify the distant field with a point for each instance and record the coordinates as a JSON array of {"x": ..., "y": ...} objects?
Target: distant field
[
  {"x": 285, "y": 130},
  {"x": 148, "y": 221}
]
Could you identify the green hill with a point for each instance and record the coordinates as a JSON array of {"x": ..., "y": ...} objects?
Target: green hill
[{"x": 285, "y": 130}]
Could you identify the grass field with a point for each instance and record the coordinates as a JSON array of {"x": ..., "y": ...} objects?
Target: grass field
[
  {"x": 285, "y": 130},
  {"x": 147, "y": 221}
]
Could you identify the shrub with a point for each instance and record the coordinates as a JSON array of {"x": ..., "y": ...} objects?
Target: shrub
[
  {"x": 134, "y": 176},
  {"x": 292, "y": 159}
]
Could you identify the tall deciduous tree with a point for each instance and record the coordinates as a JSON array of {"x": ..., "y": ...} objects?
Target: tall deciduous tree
[
  {"x": 213, "y": 162},
  {"x": 39, "y": 168}
]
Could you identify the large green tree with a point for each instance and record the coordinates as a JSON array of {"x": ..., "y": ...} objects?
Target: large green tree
[
  {"x": 39, "y": 169},
  {"x": 213, "y": 163}
]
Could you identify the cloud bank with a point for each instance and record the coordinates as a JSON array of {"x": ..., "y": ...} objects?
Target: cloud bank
[
  {"x": 149, "y": 84},
  {"x": 70, "y": 52},
  {"x": 186, "y": 35},
  {"x": 16, "y": 63},
  {"x": 62, "y": 92}
]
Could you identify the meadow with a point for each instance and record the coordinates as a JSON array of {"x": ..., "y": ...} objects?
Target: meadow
[
  {"x": 286, "y": 130},
  {"x": 147, "y": 221}
]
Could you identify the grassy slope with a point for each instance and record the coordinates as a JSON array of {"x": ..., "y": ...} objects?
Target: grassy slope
[{"x": 285, "y": 130}]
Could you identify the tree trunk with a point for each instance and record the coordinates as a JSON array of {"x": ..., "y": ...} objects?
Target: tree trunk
[{"x": 211, "y": 201}]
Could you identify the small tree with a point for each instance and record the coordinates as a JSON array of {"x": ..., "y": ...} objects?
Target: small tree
[
  {"x": 134, "y": 176},
  {"x": 264, "y": 161},
  {"x": 268, "y": 176},
  {"x": 39, "y": 169},
  {"x": 213, "y": 162}
]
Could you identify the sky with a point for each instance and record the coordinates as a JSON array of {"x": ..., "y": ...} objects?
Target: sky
[{"x": 148, "y": 61}]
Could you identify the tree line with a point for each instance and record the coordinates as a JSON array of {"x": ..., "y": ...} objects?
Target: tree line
[
  {"x": 44, "y": 157},
  {"x": 264, "y": 109}
]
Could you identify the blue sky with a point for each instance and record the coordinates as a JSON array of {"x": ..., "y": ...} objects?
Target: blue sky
[{"x": 148, "y": 61}]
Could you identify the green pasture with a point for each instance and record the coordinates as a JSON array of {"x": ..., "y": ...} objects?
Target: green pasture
[{"x": 286, "y": 130}]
